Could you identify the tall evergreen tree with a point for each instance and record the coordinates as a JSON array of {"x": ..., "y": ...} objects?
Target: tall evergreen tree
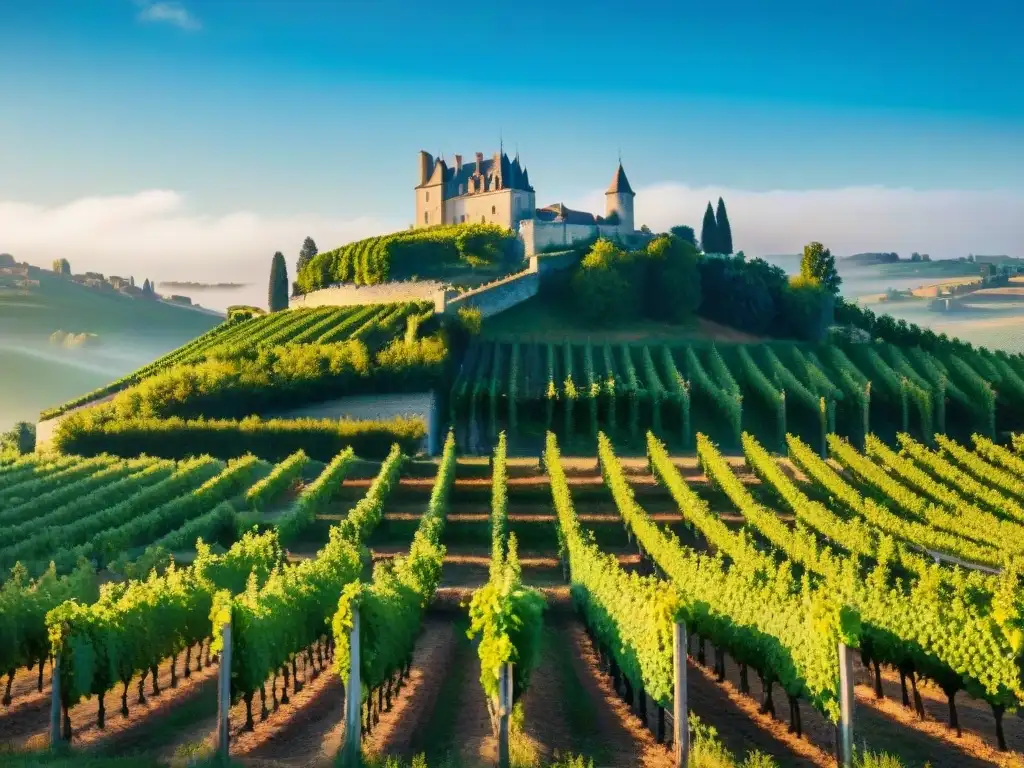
[
  {"x": 709, "y": 232},
  {"x": 722, "y": 229},
  {"x": 307, "y": 252},
  {"x": 278, "y": 293},
  {"x": 147, "y": 288}
]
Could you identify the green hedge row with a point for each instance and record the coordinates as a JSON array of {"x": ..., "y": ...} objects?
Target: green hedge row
[
  {"x": 273, "y": 439},
  {"x": 401, "y": 255}
]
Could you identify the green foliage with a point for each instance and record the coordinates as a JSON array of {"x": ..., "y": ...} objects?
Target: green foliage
[
  {"x": 20, "y": 439},
  {"x": 314, "y": 497},
  {"x": 818, "y": 267},
  {"x": 401, "y": 255},
  {"x": 134, "y": 626},
  {"x": 306, "y": 254},
  {"x": 272, "y": 439},
  {"x": 471, "y": 320},
  {"x": 684, "y": 233},
  {"x": 723, "y": 231},
  {"x": 506, "y": 615},
  {"x": 632, "y": 616},
  {"x": 391, "y": 606},
  {"x": 60, "y": 267},
  {"x": 602, "y": 288},
  {"x": 672, "y": 282},
  {"x": 277, "y": 296},
  {"x": 709, "y": 232},
  {"x": 727, "y": 606},
  {"x": 278, "y": 481},
  {"x": 24, "y": 604}
]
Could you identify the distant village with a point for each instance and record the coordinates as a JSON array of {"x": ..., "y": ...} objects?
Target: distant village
[{"x": 25, "y": 276}]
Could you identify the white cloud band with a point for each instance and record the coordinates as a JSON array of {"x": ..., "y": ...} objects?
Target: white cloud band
[{"x": 154, "y": 233}]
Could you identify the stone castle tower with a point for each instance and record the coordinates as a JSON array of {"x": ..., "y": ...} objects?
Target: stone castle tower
[
  {"x": 497, "y": 190},
  {"x": 492, "y": 191},
  {"x": 618, "y": 205}
]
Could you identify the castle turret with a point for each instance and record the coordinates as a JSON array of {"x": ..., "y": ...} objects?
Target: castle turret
[
  {"x": 619, "y": 200},
  {"x": 426, "y": 166}
]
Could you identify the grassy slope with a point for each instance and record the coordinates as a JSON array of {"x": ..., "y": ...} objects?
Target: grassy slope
[
  {"x": 131, "y": 331},
  {"x": 61, "y": 304},
  {"x": 542, "y": 319}
]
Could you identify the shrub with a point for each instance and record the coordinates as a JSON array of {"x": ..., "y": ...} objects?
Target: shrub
[
  {"x": 273, "y": 439},
  {"x": 400, "y": 255},
  {"x": 471, "y": 320},
  {"x": 672, "y": 287},
  {"x": 601, "y": 287}
]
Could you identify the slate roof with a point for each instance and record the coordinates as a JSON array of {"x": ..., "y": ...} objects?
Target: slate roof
[
  {"x": 513, "y": 174},
  {"x": 560, "y": 213},
  {"x": 620, "y": 184}
]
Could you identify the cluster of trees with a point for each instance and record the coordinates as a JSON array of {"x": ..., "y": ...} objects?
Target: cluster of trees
[
  {"x": 715, "y": 232},
  {"x": 62, "y": 267},
  {"x": 660, "y": 282},
  {"x": 758, "y": 297},
  {"x": 20, "y": 439}
]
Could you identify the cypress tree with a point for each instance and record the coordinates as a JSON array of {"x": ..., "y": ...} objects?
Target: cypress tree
[
  {"x": 309, "y": 250},
  {"x": 709, "y": 232},
  {"x": 277, "y": 298},
  {"x": 722, "y": 228}
]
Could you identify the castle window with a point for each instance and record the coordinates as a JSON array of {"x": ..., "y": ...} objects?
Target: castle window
[
  {"x": 462, "y": 219},
  {"x": 426, "y": 217},
  {"x": 462, "y": 189},
  {"x": 494, "y": 210},
  {"x": 483, "y": 219},
  {"x": 428, "y": 195}
]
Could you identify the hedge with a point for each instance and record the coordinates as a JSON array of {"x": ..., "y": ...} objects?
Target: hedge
[
  {"x": 400, "y": 255},
  {"x": 273, "y": 439}
]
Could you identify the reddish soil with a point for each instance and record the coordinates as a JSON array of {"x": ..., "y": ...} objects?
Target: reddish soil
[
  {"x": 883, "y": 725},
  {"x": 402, "y": 728},
  {"x": 26, "y": 723},
  {"x": 976, "y": 718}
]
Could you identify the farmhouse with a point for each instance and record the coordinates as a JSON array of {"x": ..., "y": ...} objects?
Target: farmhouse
[{"x": 497, "y": 190}]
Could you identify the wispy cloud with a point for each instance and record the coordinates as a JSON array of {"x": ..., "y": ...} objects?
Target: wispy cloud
[
  {"x": 942, "y": 223},
  {"x": 157, "y": 234},
  {"x": 168, "y": 13}
]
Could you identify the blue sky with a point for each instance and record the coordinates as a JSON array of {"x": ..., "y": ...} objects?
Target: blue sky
[{"x": 311, "y": 113}]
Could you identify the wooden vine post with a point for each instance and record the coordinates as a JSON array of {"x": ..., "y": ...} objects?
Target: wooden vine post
[
  {"x": 846, "y": 705},
  {"x": 504, "y": 713},
  {"x": 680, "y": 714},
  {"x": 224, "y": 693},
  {"x": 353, "y": 697},
  {"x": 55, "y": 709}
]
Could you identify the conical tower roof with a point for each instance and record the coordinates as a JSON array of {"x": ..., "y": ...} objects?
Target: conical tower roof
[{"x": 620, "y": 184}]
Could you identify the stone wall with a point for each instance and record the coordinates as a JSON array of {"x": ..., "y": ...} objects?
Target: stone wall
[
  {"x": 538, "y": 235},
  {"x": 500, "y": 295},
  {"x": 384, "y": 293}
]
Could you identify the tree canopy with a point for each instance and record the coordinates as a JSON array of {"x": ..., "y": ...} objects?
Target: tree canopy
[
  {"x": 818, "y": 267},
  {"x": 21, "y": 439},
  {"x": 709, "y": 232},
  {"x": 278, "y": 292},
  {"x": 723, "y": 232},
  {"x": 306, "y": 253},
  {"x": 684, "y": 233},
  {"x": 62, "y": 267}
]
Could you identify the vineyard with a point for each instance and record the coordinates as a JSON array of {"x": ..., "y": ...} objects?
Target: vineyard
[
  {"x": 470, "y": 610},
  {"x": 373, "y": 323},
  {"x": 766, "y": 389}
]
